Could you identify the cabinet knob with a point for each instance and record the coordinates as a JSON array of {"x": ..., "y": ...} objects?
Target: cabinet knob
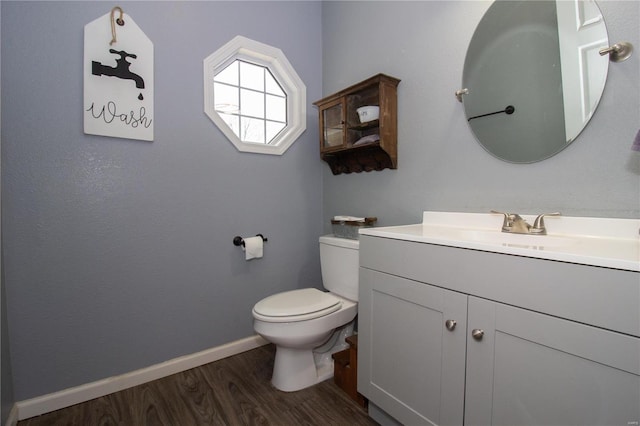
[
  {"x": 450, "y": 324},
  {"x": 477, "y": 333}
]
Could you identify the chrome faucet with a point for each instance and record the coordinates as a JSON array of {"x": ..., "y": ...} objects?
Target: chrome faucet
[{"x": 513, "y": 223}]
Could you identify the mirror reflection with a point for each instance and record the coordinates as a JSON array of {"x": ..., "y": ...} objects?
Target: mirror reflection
[{"x": 534, "y": 76}]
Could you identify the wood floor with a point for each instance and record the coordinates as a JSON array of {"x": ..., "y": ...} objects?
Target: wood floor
[{"x": 232, "y": 391}]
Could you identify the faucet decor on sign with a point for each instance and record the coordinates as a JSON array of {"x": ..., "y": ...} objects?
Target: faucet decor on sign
[{"x": 118, "y": 78}]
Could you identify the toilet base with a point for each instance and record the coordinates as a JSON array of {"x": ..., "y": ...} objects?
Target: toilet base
[{"x": 296, "y": 369}]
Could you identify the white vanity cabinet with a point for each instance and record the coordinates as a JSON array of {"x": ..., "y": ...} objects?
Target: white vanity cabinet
[
  {"x": 535, "y": 369},
  {"x": 412, "y": 366},
  {"x": 534, "y": 343}
]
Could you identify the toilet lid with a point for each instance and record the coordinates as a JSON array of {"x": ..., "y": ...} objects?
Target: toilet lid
[{"x": 296, "y": 305}]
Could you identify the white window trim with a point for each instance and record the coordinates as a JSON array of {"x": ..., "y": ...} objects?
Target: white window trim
[{"x": 249, "y": 50}]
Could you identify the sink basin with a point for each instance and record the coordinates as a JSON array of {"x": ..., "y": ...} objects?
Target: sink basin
[
  {"x": 606, "y": 242},
  {"x": 538, "y": 242},
  {"x": 495, "y": 237}
]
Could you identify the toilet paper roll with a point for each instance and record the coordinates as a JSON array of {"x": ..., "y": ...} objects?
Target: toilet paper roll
[{"x": 253, "y": 247}]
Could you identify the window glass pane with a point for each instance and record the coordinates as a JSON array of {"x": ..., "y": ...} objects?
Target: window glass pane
[
  {"x": 228, "y": 75},
  {"x": 252, "y": 130},
  {"x": 273, "y": 129},
  {"x": 272, "y": 85},
  {"x": 233, "y": 121},
  {"x": 276, "y": 108},
  {"x": 252, "y": 103},
  {"x": 226, "y": 98},
  {"x": 251, "y": 76},
  {"x": 245, "y": 96}
]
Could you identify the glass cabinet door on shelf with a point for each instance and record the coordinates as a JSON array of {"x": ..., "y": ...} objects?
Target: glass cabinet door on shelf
[{"x": 333, "y": 126}]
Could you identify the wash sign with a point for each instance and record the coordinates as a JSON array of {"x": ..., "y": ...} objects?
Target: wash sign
[{"x": 118, "y": 78}]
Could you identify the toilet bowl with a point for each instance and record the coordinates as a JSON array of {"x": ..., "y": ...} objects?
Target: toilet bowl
[{"x": 308, "y": 325}]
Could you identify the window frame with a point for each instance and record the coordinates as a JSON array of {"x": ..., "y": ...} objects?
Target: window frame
[{"x": 244, "y": 49}]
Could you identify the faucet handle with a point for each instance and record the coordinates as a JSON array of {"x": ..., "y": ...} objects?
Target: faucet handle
[
  {"x": 508, "y": 220},
  {"x": 538, "y": 225}
]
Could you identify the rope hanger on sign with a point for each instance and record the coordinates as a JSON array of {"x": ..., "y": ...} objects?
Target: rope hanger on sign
[{"x": 118, "y": 21}]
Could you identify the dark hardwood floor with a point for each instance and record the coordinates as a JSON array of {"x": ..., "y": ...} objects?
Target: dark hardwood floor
[{"x": 233, "y": 391}]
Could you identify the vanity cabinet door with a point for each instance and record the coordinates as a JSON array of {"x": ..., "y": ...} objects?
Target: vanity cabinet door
[
  {"x": 411, "y": 361},
  {"x": 528, "y": 368}
]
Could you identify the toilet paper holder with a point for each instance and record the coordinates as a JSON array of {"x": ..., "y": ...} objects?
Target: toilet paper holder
[{"x": 238, "y": 241}]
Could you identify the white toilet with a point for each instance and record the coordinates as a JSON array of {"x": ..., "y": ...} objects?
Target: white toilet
[{"x": 308, "y": 325}]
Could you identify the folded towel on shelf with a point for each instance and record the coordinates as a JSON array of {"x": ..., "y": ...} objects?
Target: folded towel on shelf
[
  {"x": 367, "y": 139},
  {"x": 348, "y": 219}
]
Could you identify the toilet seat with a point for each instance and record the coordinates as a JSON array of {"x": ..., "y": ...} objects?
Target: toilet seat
[{"x": 296, "y": 305}]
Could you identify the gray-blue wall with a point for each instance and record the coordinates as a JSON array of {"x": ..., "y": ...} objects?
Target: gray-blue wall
[
  {"x": 6, "y": 380},
  {"x": 440, "y": 165},
  {"x": 118, "y": 253}
]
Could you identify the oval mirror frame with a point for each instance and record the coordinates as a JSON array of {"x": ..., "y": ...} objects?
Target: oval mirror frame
[{"x": 534, "y": 76}]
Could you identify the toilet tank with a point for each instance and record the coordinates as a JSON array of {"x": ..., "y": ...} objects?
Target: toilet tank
[{"x": 339, "y": 262}]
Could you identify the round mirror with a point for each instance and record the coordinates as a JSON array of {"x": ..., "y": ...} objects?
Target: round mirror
[{"x": 534, "y": 76}]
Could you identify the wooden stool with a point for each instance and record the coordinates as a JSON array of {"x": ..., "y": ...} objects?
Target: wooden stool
[{"x": 345, "y": 368}]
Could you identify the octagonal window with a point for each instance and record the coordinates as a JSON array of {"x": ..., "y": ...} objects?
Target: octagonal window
[
  {"x": 250, "y": 100},
  {"x": 254, "y": 96}
]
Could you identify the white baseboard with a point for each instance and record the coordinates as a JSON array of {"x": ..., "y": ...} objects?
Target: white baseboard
[
  {"x": 12, "y": 419},
  {"x": 75, "y": 395}
]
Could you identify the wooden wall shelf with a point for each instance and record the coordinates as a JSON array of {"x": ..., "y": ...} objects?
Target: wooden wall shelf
[{"x": 341, "y": 129}]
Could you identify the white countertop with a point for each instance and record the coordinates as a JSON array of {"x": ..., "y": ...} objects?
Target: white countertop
[{"x": 605, "y": 242}]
